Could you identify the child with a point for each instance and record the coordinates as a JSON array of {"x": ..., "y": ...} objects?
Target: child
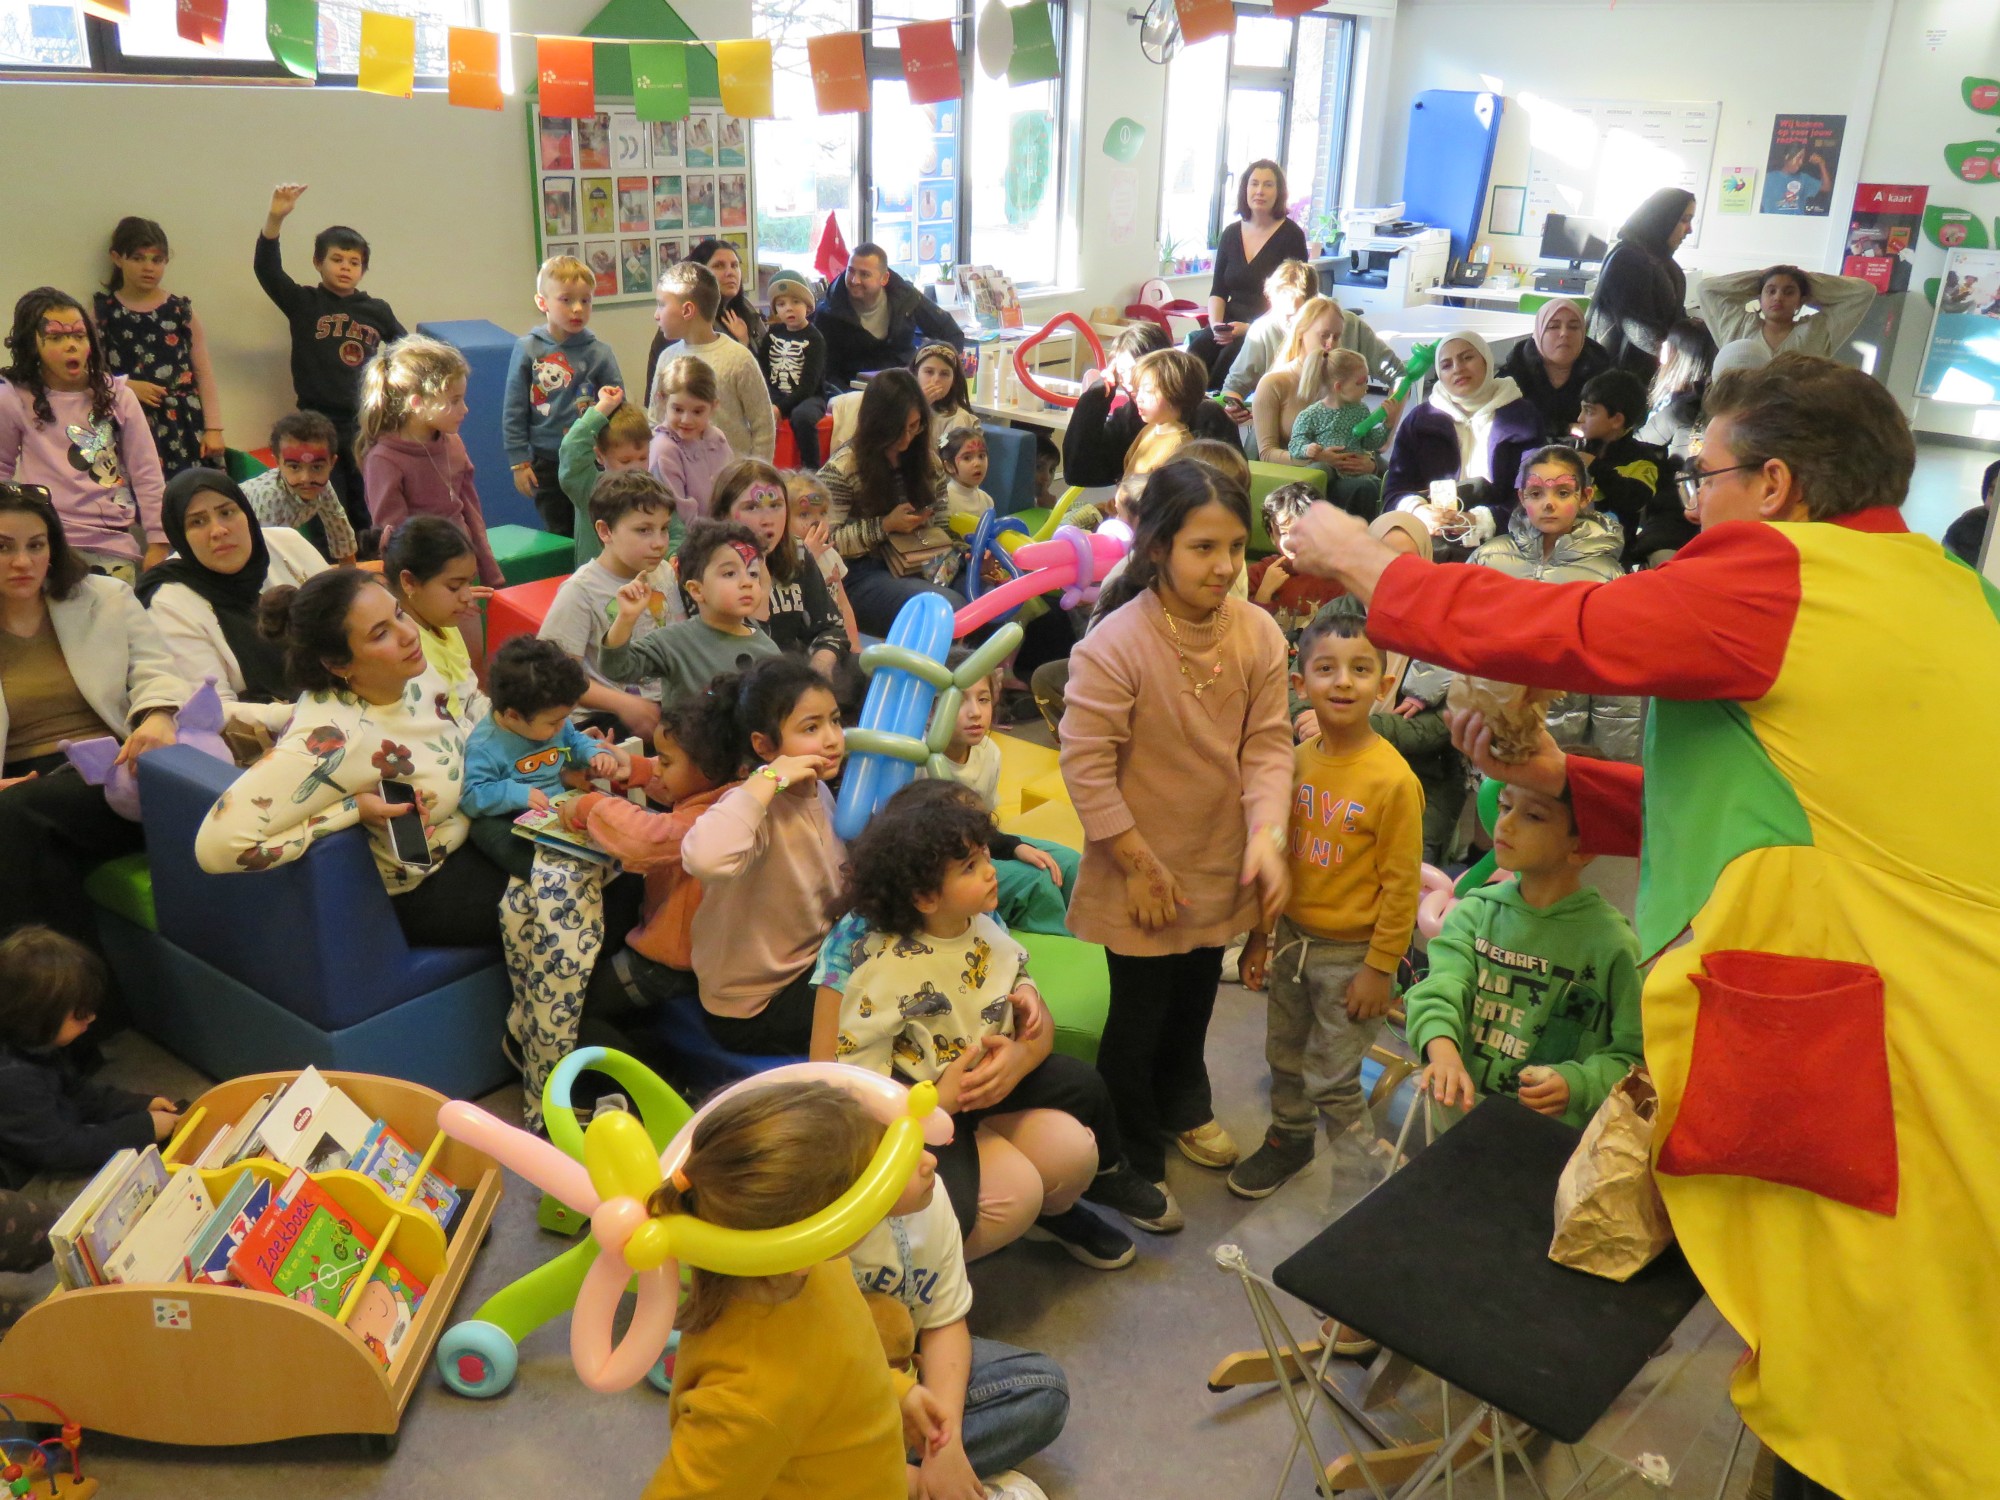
[
  {"x": 1048, "y": 463},
  {"x": 1966, "y": 535},
  {"x": 793, "y": 359},
  {"x": 780, "y": 1388},
  {"x": 798, "y": 612},
  {"x": 722, "y": 573},
  {"x": 941, "y": 376},
  {"x": 155, "y": 341},
  {"x": 1533, "y": 987},
  {"x": 52, "y": 1119},
  {"x": 1292, "y": 598},
  {"x": 299, "y": 491},
  {"x": 919, "y": 980},
  {"x": 1624, "y": 471},
  {"x": 412, "y": 405},
  {"x": 1327, "y": 427},
  {"x": 336, "y": 330},
  {"x": 431, "y": 568},
  {"x": 1168, "y": 387},
  {"x": 1179, "y": 831},
  {"x": 767, "y": 858},
  {"x": 964, "y": 453},
  {"x": 612, "y": 437},
  {"x": 688, "y": 298},
  {"x": 811, "y": 507},
  {"x": 1003, "y": 1405},
  {"x": 1286, "y": 290},
  {"x": 69, "y": 426},
  {"x": 1356, "y": 852},
  {"x": 554, "y": 375},
  {"x": 631, "y": 513},
  {"x": 687, "y": 452}
]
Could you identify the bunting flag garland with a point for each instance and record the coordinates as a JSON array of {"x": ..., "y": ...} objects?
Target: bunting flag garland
[
  {"x": 201, "y": 21},
  {"x": 659, "y": 82},
  {"x": 108, "y": 10},
  {"x": 291, "y": 27},
  {"x": 930, "y": 61},
  {"x": 566, "y": 70},
  {"x": 745, "y": 72},
  {"x": 1294, "y": 7},
  {"x": 840, "y": 72},
  {"x": 1034, "y": 59},
  {"x": 1202, "y": 19},
  {"x": 388, "y": 54},
  {"x": 474, "y": 65}
]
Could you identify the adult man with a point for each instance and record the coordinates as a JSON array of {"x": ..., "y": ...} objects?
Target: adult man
[
  {"x": 872, "y": 318},
  {"x": 1824, "y": 1140}
]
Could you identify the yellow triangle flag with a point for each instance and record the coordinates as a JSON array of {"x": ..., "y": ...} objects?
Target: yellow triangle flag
[
  {"x": 388, "y": 54},
  {"x": 745, "y": 71}
]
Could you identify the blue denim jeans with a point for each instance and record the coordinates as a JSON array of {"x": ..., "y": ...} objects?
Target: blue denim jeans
[
  {"x": 878, "y": 595},
  {"x": 1015, "y": 1405}
]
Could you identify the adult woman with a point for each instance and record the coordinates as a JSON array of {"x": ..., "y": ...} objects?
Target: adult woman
[
  {"x": 1641, "y": 292},
  {"x": 1299, "y": 379},
  {"x": 204, "y": 597},
  {"x": 737, "y": 316},
  {"x": 79, "y": 658},
  {"x": 1475, "y": 429},
  {"x": 1756, "y": 315},
  {"x": 1552, "y": 367},
  {"x": 1685, "y": 360},
  {"x": 1252, "y": 248},
  {"x": 885, "y": 483},
  {"x": 1822, "y": 918},
  {"x": 1106, "y": 417}
]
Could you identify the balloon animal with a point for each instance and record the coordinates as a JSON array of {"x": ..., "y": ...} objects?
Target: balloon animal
[
  {"x": 1027, "y": 376},
  {"x": 1423, "y": 359},
  {"x": 198, "y": 723}
]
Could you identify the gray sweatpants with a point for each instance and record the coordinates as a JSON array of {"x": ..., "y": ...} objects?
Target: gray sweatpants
[{"x": 1314, "y": 1050}]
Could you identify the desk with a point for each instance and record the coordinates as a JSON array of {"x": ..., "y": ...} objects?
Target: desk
[
  {"x": 1403, "y": 328},
  {"x": 1506, "y": 298},
  {"x": 1054, "y": 419}
]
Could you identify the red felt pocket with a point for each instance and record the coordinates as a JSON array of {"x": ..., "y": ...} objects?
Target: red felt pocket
[{"x": 1789, "y": 1079}]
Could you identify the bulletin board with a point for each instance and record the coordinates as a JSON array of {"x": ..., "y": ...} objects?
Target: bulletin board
[
  {"x": 629, "y": 197},
  {"x": 1600, "y": 158}
]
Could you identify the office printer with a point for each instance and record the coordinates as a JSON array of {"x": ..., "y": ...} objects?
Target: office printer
[{"x": 1388, "y": 261}]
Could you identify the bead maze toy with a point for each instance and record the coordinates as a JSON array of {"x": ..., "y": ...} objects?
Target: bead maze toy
[{"x": 33, "y": 1470}]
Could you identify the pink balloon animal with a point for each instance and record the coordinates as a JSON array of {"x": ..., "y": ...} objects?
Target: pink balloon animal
[
  {"x": 199, "y": 724},
  {"x": 1074, "y": 561}
]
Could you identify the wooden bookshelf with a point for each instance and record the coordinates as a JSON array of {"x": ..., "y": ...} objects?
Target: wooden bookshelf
[{"x": 231, "y": 1366}]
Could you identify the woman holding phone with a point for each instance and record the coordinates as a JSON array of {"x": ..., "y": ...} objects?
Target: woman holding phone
[{"x": 1263, "y": 237}]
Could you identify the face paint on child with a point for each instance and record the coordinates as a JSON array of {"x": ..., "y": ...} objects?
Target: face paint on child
[
  {"x": 306, "y": 468},
  {"x": 763, "y": 509}
]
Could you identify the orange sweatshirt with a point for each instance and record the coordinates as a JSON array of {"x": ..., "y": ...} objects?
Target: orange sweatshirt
[
  {"x": 1356, "y": 846},
  {"x": 650, "y": 843}
]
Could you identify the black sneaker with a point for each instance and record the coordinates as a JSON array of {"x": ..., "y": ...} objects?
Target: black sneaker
[
  {"x": 1094, "y": 1241},
  {"x": 1271, "y": 1165},
  {"x": 1146, "y": 1204}
]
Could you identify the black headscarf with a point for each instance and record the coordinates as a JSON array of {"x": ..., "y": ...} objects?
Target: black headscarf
[
  {"x": 233, "y": 596},
  {"x": 1653, "y": 220}
]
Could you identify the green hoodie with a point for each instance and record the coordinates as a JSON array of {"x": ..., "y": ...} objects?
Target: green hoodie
[{"x": 1512, "y": 985}]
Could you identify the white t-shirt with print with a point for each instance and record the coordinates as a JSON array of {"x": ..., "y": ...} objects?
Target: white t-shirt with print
[{"x": 931, "y": 1281}]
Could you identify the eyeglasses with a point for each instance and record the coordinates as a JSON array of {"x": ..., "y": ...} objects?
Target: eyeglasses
[
  {"x": 1692, "y": 481},
  {"x": 1546, "y": 491}
]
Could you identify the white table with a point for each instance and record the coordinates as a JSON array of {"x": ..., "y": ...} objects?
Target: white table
[
  {"x": 1403, "y": 328},
  {"x": 1506, "y": 298},
  {"x": 1054, "y": 419}
]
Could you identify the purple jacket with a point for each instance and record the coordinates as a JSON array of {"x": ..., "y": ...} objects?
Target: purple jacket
[
  {"x": 407, "y": 478},
  {"x": 688, "y": 470},
  {"x": 102, "y": 476},
  {"x": 1426, "y": 448}
]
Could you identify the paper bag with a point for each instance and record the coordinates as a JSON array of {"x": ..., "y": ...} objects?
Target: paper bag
[
  {"x": 1610, "y": 1220},
  {"x": 1515, "y": 714}
]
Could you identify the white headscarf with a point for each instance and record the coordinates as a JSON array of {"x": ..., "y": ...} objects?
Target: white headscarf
[{"x": 1472, "y": 413}]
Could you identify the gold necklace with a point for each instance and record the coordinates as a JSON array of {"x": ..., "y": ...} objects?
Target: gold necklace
[{"x": 1174, "y": 630}]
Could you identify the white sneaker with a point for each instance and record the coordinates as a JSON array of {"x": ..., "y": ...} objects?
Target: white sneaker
[{"x": 1013, "y": 1485}]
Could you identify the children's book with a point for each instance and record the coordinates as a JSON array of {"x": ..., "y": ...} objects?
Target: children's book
[
  {"x": 386, "y": 1158},
  {"x": 312, "y": 1124},
  {"x": 241, "y": 1207},
  {"x": 66, "y": 1234},
  {"x": 545, "y": 827},
  {"x": 230, "y": 1142},
  {"x": 156, "y": 1249},
  {"x": 143, "y": 1180}
]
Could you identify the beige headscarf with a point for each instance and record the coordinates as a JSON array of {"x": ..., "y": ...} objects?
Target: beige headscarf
[{"x": 1472, "y": 413}]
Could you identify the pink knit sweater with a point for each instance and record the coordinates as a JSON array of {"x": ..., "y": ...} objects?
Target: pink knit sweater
[{"x": 1193, "y": 775}]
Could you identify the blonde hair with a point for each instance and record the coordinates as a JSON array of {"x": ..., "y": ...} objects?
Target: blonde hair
[
  {"x": 403, "y": 380},
  {"x": 1342, "y": 363},
  {"x": 626, "y": 424},
  {"x": 1308, "y": 314},
  {"x": 685, "y": 376},
  {"x": 804, "y": 482},
  {"x": 567, "y": 270},
  {"x": 1226, "y": 459},
  {"x": 762, "y": 1160},
  {"x": 1293, "y": 276}
]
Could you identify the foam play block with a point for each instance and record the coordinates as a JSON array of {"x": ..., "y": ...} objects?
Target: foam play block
[
  {"x": 1075, "y": 985},
  {"x": 1265, "y": 478},
  {"x": 519, "y": 610},
  {"x": 526, "y": 554},
  {"x": 1021, "y": 761},
  {"x": 1055, "y": 822},
  {"x": 1047, "y": 787},
  {"x": 125, "y": 886}
]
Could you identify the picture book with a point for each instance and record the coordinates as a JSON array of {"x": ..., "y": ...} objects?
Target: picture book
[
  {"x": 241, "y": 1207},
  {"x": 156, "y": 1249},
  {"x": 545, "y": 827},
  {"x": 66, "y": 1233},
  {"x": 386, "y": 1158},
  {"x": 239, "y": 1140},
  {"x": 312, "y": 1124},
  {"x": 124, "y": 1205}
]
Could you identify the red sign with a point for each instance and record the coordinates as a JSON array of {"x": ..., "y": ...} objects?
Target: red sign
[
  {"x": 1882, "y": 232},
  {"x": 566, "y": 77},
  {"x": 201, "y": 21},
  {"x": 930, "y": 61},
  {"x": 840, "y": 72}
]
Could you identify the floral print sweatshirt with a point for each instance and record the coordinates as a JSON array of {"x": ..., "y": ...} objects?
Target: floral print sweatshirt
[{"x": 337, "y": 747}]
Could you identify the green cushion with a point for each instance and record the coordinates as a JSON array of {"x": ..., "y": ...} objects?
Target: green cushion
[
  {"x": 526, "y": 555},
  {"x": 1265, "y": 478},
  {"x": 125, "y": 886},
  {"x": 240, "y": 465},
  {"x": 1076, "y": 986}
]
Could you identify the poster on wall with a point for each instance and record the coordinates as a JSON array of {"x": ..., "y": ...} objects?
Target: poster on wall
[
  {"x": 1736, "y": 190},
  {"x": 1962, "y": 363},
  {"x": 1881, "y": 234},
  {"x": 1802, "y": 164}
]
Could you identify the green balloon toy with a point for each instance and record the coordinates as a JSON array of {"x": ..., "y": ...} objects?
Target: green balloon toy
[
  {"x": 1423, "y": 359},
  {"x": 1489, "y": 814}
]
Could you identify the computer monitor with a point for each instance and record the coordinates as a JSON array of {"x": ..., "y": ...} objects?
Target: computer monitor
[{"x": 1574, "y": 240}]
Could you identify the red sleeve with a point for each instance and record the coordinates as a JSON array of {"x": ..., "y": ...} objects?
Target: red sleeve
[
  {"x": 1713, "y": 623},
  {"x": 1606, "y": 795}
]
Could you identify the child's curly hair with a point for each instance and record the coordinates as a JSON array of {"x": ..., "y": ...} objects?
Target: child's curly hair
[
  {"x": 907, "y": 849},
  {"x": 24, "y": 344}
]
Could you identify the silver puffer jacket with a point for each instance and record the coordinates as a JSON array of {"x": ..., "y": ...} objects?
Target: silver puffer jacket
[{"x": 1614, "y": 728}]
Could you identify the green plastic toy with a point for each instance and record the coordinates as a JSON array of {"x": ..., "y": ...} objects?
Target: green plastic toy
[{"x": 1423, "y": 359}]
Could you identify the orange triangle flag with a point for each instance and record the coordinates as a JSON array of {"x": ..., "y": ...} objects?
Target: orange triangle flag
[
  {"x": 475, "y": 67},
  {"x": 566, "y": 77}
]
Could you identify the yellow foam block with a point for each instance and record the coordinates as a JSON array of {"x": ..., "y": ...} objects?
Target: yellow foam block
[
  {"x": 1056, "y": 822},
  {"x": 1047, "y": 787},
  {"x": 1021, "y": 761}
]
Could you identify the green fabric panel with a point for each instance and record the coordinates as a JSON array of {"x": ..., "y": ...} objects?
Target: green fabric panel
[
  {"x": 124, "y": 885},
  {"x": 1712, "y": 795},
  {"x": 1075, "y": 983},
  {"x": 653, "y": 20}
]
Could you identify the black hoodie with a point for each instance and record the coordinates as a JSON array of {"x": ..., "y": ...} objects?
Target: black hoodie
[
  {"x": 1641, "y": 292},
  {"x": 332, "y": 336},
  {"x": 914, "y": 321}
]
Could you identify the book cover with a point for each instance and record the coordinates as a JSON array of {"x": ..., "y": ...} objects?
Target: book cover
[
  {"x": 124, "y": 1205},
  {"x": 65, "y": 1233},
  {"x": 545, "y": 827},
  {"x": 241, "y": 1207},
  {"x": 291, "y": 1114},
  {"x": 156, "y": 1249},
  {"x": 338, "y": 1128},
  {"x": 386, "y": 1158},
  {"x": 221, "y": 1151}
]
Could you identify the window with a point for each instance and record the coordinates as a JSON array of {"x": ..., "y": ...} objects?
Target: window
[
  {"x": 1279, "y": 87},
  {"x": 42, "y": 36},
  {"x": 804, "y": 160}
]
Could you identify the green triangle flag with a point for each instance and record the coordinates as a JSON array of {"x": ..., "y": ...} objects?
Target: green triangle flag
[
  {"x": 1034, "y": 59},
  {"x": 659, "y": 81},
  {"x": 292, "y": 27}
]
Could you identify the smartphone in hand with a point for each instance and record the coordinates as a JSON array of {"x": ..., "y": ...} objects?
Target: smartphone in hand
[{"x": 406, "y": 831}]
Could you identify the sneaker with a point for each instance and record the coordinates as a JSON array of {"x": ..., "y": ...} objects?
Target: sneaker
[
  {"x": 1271, "y": 1165},
  {"x": 1208, "y": 1146},
  {"x": 1013, "y": 1485},
  {"x": 1146, "y": 1204},
  {"x": 1096, "y": 1242}
]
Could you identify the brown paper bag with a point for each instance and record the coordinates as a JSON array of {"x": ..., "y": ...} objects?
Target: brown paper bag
[
  {"x": 1610, "y": 1220},
  {"x": 1515, "y": 714}
]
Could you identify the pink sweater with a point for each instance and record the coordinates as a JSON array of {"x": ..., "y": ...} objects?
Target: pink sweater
[
  {"x": 102, "y": 477},
  {"x": 406, "y": 478},
  {"x": 767, "y": 875},
  {"x": 688, "y": 470},
  {"x": 1194, "y": 776}
]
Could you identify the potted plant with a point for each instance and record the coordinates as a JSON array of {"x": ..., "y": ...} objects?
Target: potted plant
[
  {"x": 1325, "y": 232},
  {"x": 1169, "y": 255}
]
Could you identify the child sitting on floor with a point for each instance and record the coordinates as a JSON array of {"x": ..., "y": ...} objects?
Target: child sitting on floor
[
  {"x": 612, "y": 437},
  {"x": 1292, "y": 599},
  {"x": 811, "y": 506},
  {"x": 52, "y": 1118},
  {"x": 722, "y": 573},
  {"x": 965, "y": 460},
  {"x": 299, "y": 492}
]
